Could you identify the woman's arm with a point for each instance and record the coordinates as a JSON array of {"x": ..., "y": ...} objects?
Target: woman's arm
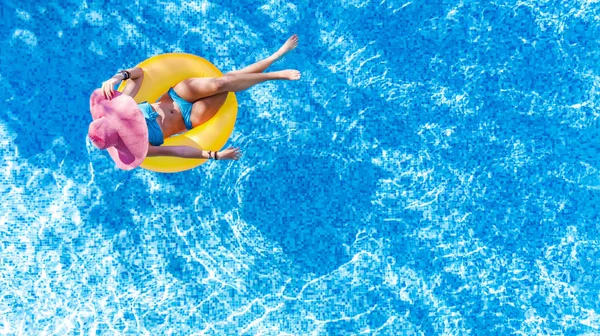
[
  {"x": 231, "y": 153},
  {"x": 136, "y": 76}
]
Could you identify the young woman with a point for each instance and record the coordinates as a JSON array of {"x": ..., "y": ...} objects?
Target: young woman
[{"x": 119, "y": 124}]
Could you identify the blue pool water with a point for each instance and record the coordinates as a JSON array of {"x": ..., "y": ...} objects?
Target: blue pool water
[{"x": 434, "y": 172}]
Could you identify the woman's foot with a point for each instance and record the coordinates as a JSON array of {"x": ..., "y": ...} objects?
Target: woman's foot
[
  {"x": 288, "y": 46},
  {"x": 288, "y": 74}
]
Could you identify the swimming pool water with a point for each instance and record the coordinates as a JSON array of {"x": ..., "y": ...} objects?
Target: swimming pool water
[{"x": 434, "y": 172}]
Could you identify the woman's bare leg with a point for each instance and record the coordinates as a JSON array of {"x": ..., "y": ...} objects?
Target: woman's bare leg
[
  {"x": 209, "y": 94},
  {"x": 197, "y": 88},
  {"x": 206, "y": 108},
  {"x": 261, "y": 66}
]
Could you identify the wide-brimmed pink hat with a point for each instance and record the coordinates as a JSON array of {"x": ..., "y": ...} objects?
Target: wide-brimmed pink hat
[{"x": 119, "y": 127}]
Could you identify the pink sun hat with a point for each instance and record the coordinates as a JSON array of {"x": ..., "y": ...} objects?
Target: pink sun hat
[{"x": 119, "y": 127}]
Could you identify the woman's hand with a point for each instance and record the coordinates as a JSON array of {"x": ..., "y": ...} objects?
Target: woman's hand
[
  {"x": 231, "y": 153},
  {"x": 108, "y": 87}
]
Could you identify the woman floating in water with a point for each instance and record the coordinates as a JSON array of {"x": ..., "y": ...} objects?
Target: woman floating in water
[{"x": 125, "y": 128}]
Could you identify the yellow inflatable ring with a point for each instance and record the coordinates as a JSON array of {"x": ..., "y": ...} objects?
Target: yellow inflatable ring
[{"x": 164, "y": 71}]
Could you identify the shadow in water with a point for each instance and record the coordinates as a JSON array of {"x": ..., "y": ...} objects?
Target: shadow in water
[{"x": 311, "y": 207}]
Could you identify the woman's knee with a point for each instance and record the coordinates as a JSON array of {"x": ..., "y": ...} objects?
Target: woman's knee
[
  {"x": 220, "y": 83},
  {"x": 214, "y": 85},
  {"x": 200, "y": 85}
]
